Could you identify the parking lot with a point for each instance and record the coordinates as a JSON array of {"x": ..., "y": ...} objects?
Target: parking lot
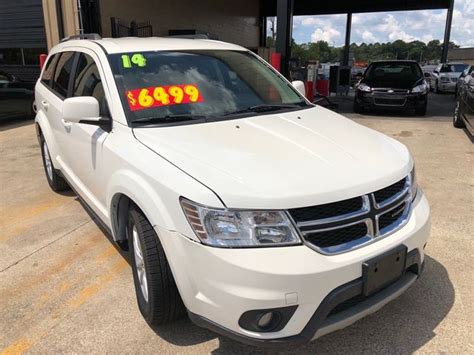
[{"x": 66, "y": 288}]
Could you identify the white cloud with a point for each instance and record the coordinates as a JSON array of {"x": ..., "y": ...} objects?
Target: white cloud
[
  {"x": 423, "y": 25},
  {"x": 327, "y": 34},
  {"x": 368, "y": 37}
]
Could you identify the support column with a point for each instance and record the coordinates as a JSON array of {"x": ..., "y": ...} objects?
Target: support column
[
  {"x": 447, "y": 32},
  {"x": 345, "y": 58},
  {"x": 284, "y": 33}
]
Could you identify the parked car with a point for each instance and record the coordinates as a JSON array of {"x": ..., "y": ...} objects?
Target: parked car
[
  {"x": 264, "y": 217},
  {"x": 446, "y": 76},
  {"x": 392, "y": 84},
  {"x": 16, "y": 97},
  {"x": 430, "y": 80},
  {"x": 465, "y": 72},
  {"x": 464, "y": 109}
]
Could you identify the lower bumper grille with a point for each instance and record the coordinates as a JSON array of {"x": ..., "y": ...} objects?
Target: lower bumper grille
[{"x": 390, "y": 102}]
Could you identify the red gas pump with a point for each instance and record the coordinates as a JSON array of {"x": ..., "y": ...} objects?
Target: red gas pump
[{"x": 42, "y": 60}]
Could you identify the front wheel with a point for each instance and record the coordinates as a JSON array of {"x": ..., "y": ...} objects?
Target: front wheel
[
  {"x": 357, "y": 107},
  {"x": 157, "y": 295},
  {"x": 457, "y": 120},
  {"x": 421, "y": 111}
]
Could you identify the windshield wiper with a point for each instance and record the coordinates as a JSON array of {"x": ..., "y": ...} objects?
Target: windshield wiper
[
  {"x": 267, "y": 108},
  {"x": 166, "y": 119}
]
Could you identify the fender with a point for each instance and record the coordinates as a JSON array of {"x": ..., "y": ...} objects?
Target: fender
[
  {"x": 45, "y": 127},
  {"x": 143, "y": 194}
]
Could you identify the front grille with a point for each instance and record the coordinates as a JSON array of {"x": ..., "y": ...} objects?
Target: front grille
[
  {"x": 337, "y": 236},
  {"x": 390, "y": 91},
  {"x": 389, "y": 102},
  {"x": 328, "y": 210},
  {"x": 344, "y": 225},
  {"x": 389, "y": 191},
  {"x": 391, "y": 217}
]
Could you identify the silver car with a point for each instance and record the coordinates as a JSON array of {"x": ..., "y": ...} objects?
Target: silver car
[{"x": 446, "y": 76}]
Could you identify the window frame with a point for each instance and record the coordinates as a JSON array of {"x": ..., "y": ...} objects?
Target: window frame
[
  {"x": 53, "y": 61},
  {"x": 74, "y": 72},
  {"x": 73, "y": 68}
]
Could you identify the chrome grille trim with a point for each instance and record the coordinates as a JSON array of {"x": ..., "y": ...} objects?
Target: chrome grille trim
[
  {"x": 370, "y": 214},
  {"x": 365, "y": 208}
]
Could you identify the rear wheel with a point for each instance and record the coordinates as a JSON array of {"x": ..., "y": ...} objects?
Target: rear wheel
[
  {"x": 55, "y": 180},
  {"x": 457, "y": 120},
  {"x": 157, "y": 295}
]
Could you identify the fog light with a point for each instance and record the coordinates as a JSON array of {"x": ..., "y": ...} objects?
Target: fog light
[{"x": 265, "y": 320}]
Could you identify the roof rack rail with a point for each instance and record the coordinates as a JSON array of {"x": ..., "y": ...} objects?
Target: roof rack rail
[
  {"x": 92, "y": 36},
  {"x": 196, "y": 36}
]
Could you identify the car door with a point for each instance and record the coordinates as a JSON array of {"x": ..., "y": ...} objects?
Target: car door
[
  {"x": 469, "y": 100},
  {"x": 51, "y": 102},
  {"x": 83, "y": 144}
]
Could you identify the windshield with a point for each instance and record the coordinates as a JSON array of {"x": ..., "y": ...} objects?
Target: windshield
[
  {"x": 452, "y": 68},
  {"x": 388, "y": 73},
  {"x": 166, "y": 87}
]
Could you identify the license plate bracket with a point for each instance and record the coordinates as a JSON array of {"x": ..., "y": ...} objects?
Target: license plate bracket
[{"x": 384, "y": 269}]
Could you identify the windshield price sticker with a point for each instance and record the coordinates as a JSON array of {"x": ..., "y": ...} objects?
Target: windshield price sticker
[
  {"x": 136, "y": 59},
  {"x": 157, "y": 96}
]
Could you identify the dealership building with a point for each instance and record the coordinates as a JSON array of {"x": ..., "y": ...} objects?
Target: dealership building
[{"x": 31, "y": 27}]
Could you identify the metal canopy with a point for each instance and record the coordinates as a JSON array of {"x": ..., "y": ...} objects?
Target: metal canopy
[
  {"x": 286, "y": 9},
  {"x": 314, "y": 7}
]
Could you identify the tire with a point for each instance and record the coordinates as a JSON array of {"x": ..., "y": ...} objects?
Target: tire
[
  {"x": 157, "y": 295},
  {"x": 55, "y": 180},
  {"x": 457, "y": 120},
  {"x": 421, "y": 111},
  {"x": 357, "y": 108}
]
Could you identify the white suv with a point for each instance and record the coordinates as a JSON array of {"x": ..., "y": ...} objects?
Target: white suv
[{"x": 262, "y": 216}]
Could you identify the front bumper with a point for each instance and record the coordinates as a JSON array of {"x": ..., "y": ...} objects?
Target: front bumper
[
  {"x": 219, "y": 285},
  {"x": 447, "y": 86},
  {"x": 388, "y": 101}
]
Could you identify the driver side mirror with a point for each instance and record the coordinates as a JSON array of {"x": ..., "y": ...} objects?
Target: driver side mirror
[
  {"x": 299, "y": 85},
  {"x": 85, "y": 110}
]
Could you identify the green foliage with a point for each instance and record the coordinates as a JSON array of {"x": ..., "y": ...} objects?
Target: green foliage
[{"x": 415, "y": 50}]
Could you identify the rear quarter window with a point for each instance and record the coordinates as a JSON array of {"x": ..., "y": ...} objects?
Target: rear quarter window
[{"x": 49, "y": 70}]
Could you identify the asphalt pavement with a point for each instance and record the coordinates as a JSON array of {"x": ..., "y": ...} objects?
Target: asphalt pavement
[{"x": 65, "y": 288}]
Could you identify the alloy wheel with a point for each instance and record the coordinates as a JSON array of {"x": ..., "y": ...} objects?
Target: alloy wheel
[
  {"x": 47, "y": 161},
  {"x": 140, "y": 263}
]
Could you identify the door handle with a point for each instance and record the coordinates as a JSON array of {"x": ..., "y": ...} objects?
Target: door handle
[
  {"x": 45, "y": 104},
  {"x": 65, "y": 123}
]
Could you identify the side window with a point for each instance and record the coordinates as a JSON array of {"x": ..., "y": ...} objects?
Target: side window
[
  {"x": 87, "y": 81},
  {"x": 62, "y": 73},
  {"x": 49, "y": 70}
]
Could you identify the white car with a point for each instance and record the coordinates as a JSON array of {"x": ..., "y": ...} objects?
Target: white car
[
  {"x": 446, "y": 76},
  {"x": 264, "y": 217}
]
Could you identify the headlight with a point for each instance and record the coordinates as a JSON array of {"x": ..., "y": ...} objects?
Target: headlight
[
  {"x": 239, "y": 228},
  {"x": 364, "y": 87},
  {"x": 413, "y": 184},
  {"x": 420, "y": 88}
]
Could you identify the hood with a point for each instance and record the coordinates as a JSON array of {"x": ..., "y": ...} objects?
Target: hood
[{"x": 285, "y": 160}]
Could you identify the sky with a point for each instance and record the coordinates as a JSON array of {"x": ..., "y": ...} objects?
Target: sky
[{"x": 423, "y": 25}]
